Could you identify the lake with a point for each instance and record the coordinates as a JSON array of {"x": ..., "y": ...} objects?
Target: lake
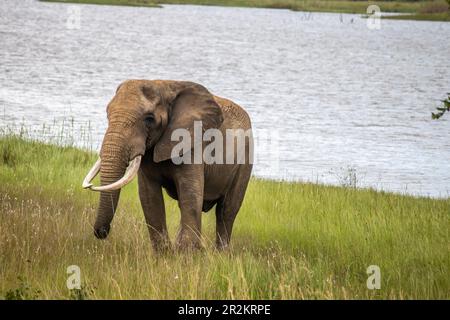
[{"x": 349, "y": 105}]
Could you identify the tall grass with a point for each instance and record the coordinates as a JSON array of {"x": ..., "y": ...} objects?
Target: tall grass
[{"x": 291, "y": 240}]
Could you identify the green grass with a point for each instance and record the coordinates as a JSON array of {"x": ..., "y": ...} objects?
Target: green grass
[
  {"x": 421, "y": 17},
  {"x": 291, "y": 240},
  {"x": 131, "y": 3}
]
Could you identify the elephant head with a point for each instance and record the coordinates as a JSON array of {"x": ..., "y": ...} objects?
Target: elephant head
[{"x": 141, "y": 118}]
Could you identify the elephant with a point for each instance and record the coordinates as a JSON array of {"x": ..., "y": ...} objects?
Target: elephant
[{"x": 142, "y": 118}]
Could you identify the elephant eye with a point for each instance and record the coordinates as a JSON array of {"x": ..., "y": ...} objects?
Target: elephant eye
[{"x": 149, "y": 118}]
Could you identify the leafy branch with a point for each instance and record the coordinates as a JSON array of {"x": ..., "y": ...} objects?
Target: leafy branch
[{"x": 441, "y": 110}]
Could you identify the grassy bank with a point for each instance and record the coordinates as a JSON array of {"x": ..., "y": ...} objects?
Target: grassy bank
[
  {"x": 291, "y": 240},
  {"x": 343, "y": 6},
  {"x": 130, "y": 3},
  {"x": 420, "y": 10},
  {"x": 421, "y": 17},
  {"x": 298, "y": 5}
]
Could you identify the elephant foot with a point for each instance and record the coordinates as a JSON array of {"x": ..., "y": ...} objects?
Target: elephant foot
[
  {"x": 222, "y": 242},
  {"x": 222, "y": 247},
  {"x": 162, "y": 248},
  {"x": 188, "y": 240}
]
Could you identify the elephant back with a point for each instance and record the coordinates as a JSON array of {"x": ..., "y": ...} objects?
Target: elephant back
[{"x": 234, "y": 115}]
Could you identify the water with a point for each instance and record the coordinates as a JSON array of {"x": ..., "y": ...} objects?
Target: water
[{"x": 347, "y": 102}]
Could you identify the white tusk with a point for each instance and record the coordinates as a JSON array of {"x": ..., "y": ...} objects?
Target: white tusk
[
  {"x": 91, "y": 174},
  {"x": 128, "y": 176}
]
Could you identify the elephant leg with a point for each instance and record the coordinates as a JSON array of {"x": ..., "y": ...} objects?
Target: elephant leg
[
  {"x": 228, "y": 207},
  {"x": 152, "y": 203},
  {"x": 190, "y": 183}
]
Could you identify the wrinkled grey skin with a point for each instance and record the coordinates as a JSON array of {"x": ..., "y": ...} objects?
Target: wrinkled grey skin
[{"x": 141, "y": 117}]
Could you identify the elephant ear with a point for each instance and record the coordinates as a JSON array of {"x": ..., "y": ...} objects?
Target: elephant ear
[{"x": 192, "y": 103}]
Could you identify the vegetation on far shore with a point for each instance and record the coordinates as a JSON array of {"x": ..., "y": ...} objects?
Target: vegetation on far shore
[
  {"x": 130, "y": 3},
  {"x": 291, "y": 240},
  {"x": 435, "y": 10},
  {"x": 440, "y": 111},
  {"x": 421, "y": 17},
  {"x": 429, "y": 11}
]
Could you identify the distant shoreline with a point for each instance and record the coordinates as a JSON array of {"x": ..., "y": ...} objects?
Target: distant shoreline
[
  {"x": 127, "y": 3},
  {"x": 419, "y": 10}
]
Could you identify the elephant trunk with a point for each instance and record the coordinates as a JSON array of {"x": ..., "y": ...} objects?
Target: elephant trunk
[{"x": 114, "y": 161}]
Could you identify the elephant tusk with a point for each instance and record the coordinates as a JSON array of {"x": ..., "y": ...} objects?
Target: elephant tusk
[
  {"x": 128, "y": 176},
  {"x": 91, "y": 174}
]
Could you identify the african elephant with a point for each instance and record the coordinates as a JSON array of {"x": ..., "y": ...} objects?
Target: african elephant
[{"x": 142, "y": 118}]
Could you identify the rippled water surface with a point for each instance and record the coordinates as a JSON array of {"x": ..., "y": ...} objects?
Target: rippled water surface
[{"x": 349, "y": 104}]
